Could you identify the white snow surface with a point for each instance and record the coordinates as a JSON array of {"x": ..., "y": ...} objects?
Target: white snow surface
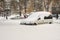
[{"x": 12, "y": 30}]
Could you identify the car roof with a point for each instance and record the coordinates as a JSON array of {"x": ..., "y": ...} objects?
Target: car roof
[{"x": 42, "y": 13}]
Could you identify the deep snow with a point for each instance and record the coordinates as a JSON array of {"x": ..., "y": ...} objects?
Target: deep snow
[{"x": 12, "y": 30}]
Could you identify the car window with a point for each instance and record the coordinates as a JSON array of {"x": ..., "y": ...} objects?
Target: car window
[{"x": 48, "y": 17}]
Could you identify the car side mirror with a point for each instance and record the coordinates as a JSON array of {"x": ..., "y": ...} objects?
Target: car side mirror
[{"x": 38, "y": 18}]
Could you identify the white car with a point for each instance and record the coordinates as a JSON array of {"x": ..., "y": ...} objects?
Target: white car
[
  {"x": 37, "y": 18},
  {"x": 13, "y": 16},
  {"x": 2, "y": 19}
]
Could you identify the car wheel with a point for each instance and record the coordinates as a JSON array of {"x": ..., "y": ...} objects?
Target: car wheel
[
  {"x": 50, "y": 22},
  {"x": 35, "y": 23}
]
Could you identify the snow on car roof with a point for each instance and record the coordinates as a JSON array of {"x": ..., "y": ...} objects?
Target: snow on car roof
[
  {"x": 41, "y": 12},
  {"x": 36, "y": 14}
]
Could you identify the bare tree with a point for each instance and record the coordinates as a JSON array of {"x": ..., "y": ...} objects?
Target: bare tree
[{"x": 1, "y": 7}]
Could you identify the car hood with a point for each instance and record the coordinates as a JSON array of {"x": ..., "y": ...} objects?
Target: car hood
[{"x": 28, "y": 20}]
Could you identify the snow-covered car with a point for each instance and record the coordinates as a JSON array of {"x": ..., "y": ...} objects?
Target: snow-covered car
[
  {"x": 59, "y": 16},
  {"x": 2, "y": 19},
  {"x": 14, "y": 17},
  {"x": 37, "y": 18},
  {"x": 54, "y": 15}
]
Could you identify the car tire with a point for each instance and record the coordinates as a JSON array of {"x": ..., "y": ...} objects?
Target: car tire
[
  {"x": 50, "y": 22},
  {"x": 35, "y": 23}
]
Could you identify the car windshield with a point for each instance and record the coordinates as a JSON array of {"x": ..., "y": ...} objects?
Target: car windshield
[{"x": 32, "y": 16}]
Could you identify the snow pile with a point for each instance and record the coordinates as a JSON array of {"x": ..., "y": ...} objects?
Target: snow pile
[
  {"x": 12, "y": 16},
  {"x": 56, "y": 20},
  {"x": 2, "y": 19}
]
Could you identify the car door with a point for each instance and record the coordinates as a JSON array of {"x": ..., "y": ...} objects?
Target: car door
[
  {"x": 47, "y": 19},
  {"x": 39, "y": 20}
]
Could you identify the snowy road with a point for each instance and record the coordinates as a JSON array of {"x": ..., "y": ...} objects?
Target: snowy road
[{"x": 11, "y": 30}]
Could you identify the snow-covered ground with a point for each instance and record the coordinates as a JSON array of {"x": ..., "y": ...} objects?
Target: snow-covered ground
[{"x": 12, "y": 30}]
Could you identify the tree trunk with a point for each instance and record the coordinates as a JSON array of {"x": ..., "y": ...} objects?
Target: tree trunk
[
  {"x": 25, "y": 5},
  {"x": 44, "y": 8},
  {"x": 50, "y": 6}
]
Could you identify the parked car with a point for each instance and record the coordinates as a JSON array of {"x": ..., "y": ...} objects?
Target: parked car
[
  {"x": 14, "y": 17},
  {"x": 54, "y": 15},
  {"x": 37, "y": 18}
]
